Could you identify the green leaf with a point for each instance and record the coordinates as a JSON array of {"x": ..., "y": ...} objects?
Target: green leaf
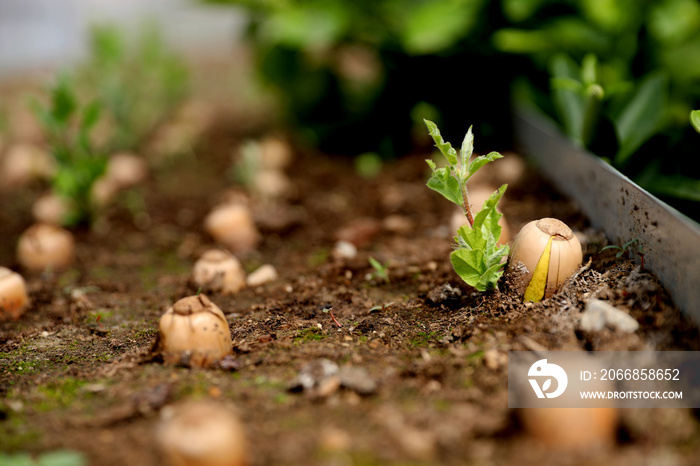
[
  {"x": 91, "y": 115},
  {"x": 429, "y": 27},
  {"x": 445, "y": 183},
  {"x": 479, "y": 260},
  {"x": 568, "y": 102},
  {"x": 305, "y": 26},
  {"x": 468, "y": 263},
  {"x": 640, "y": 118},
  {"x": 695, "y": 119},
  {"x": 444, "y": 147},
  {"x": 488, "y": 216},
  {"x": 64, "y": 101},
  {"x": 482, "y": 160},
  {"x": 467, "y": 149}
]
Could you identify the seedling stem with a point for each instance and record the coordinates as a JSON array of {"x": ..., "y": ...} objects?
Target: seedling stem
[{"x": 329, "y": 310}]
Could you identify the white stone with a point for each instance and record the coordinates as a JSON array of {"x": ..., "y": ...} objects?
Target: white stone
[
  {"x": 264, "y": 274},
  {"x": 344, "y": 250},
  {"x": 599, "y": 314}
]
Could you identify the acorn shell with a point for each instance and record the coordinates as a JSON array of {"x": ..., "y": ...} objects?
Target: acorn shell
[{"x": 566, "y": 254}]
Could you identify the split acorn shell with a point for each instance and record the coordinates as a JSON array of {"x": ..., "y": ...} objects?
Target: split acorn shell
[{"x": 529, "y": 248}]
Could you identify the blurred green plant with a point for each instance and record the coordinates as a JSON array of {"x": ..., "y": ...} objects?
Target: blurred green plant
[
  {"x": 628, "y": 100},
  {"x": 138, "y": 83},
  {"x": 381, "y": 271},
  {"x": 67, "y": 124},
  {"x": 354, "y": 76},
  {"x": 620, "y": 76}
]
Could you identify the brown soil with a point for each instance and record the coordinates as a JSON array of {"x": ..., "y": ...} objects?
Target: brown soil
[{"x": 77, "y": 370}]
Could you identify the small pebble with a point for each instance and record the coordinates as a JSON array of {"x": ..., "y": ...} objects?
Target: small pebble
[
  {"x": 344, "y": 250},
  {"x": 599, "y": 315},
  {"x": 264, "y": 274}
]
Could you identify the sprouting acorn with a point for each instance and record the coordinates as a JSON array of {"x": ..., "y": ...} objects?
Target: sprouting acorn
[
  {"x": 13, "y": 294},
  {"x": 219, "y": 271},
  {"x": 545, "y": 253},
  {"x": 194, "y": 332}
]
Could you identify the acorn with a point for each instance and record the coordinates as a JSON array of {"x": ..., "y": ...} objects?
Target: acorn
[
  {"x": 194, "y": 332},
  {"x": 232, "y": 225},
  {"x": 219, "y": 271},
  {"x": 13, "y": 294},
  {"x": 44, "y": 246},
  {"x": 544, "y": 255},
  {"x": 202, "y": 433}
]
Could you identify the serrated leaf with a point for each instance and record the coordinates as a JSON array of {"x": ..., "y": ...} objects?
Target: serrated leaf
[
  {"x": 473, "y": 237},
  {"x": 467, "y": 149},
  {"x": 467, "y": 265},
  {"x": 480, "y": 161},
  {"x": 446, "y": 184},
  {"x": 445, "y": 147},
  {"x": 488, "y": 213}
]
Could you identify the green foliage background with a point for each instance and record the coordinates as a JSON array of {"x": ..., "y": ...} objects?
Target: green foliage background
[{"x": 620, "y": 76}]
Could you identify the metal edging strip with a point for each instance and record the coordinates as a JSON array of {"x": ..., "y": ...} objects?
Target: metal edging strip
[{"x": 622, "y": 209}]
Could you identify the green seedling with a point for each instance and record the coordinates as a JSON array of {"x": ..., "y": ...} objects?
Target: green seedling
[
  {"x": 138, "y": 84},
  {"x": 248, "y": 165},
  {"x": 381, "y": 271},
  {"x": 477, "y": 258},
  {"x": 68, "y": 123},
  {"x": 329, "y": 310},
  {"x": 368, "y": 165},
  {"x": 381, "y": 307},
  {"x": 629, "y": 249}
]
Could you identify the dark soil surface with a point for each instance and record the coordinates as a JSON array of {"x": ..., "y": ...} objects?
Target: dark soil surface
[{"x": 78, "y": 370}]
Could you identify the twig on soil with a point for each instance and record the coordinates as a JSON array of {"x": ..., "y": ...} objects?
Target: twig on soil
[{"x": 572, "y": 279}]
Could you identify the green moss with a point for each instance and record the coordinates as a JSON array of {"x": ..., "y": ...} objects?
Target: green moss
[
  {"x": 20, "y": 367},
  {"x": 309, "y": 334},
  {"x": 17, "y": 435},
  {"x": 422, "y": 339},
  {"x": 318, "y": 257},
  {"x": 61, "y": 394}
]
